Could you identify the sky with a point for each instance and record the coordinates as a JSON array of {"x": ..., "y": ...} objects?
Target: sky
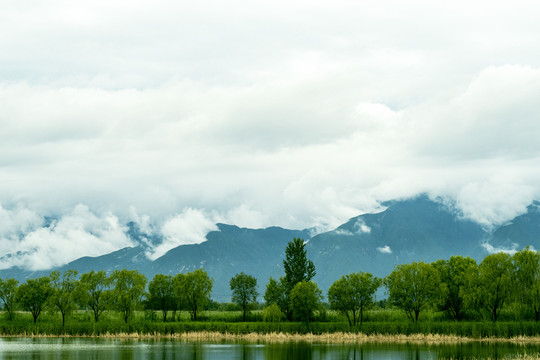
[{"x": 179, "y": 115}]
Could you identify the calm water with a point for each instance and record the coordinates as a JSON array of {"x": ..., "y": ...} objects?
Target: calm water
[{"x": 14, "y": 348}]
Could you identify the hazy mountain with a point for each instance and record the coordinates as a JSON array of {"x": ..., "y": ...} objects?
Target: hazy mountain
[
  {"x": 411, "y": 230},
  {"x": 521, "y": 231},
  {"x": 417, "y": 229}
]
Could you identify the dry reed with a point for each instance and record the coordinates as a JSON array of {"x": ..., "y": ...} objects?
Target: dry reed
[{"x": 331, "y": 338}]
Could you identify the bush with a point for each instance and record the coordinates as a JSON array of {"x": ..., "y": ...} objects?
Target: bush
[{"x": 272, "y": 313}]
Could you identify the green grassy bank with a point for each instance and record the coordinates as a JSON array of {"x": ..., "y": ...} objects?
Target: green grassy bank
[
  {"x": 81, "y": 324},
  {"x": 474, "y": 330}
]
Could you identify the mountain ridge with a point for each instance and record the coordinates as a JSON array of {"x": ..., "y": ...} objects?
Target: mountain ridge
[{"x": 415, "y": 229}]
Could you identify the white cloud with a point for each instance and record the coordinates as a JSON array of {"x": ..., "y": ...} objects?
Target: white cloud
[
  {"x": 493, "y": 250},
  {"x": 188, "y": 227},
  {"x": 245, "y": 216},
  {"x": 15, "y": 223},
  {"x": 384, "y": 250},
  {"x": 298, "y": 114},
  {"x": 79, "y": 233},
  {"x": 361, "y": 228}
]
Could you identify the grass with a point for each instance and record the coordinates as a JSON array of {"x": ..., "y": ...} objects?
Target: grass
[{"x": 390, "y": 323}]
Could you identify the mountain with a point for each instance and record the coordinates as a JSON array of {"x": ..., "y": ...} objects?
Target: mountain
[
  {"x": 231, "y": 250},
  {"x": 522, "y": 231},
  {"x": 417, "y": 229}
]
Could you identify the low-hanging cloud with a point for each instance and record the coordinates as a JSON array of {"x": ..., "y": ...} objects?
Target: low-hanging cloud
[
  {"x": 76, "y": 234},
  {"x": 266, "y": 117},
  {"x": 189, "y": 227}
]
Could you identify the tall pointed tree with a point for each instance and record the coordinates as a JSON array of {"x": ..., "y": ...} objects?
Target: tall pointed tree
[{"x": 297, "y": 269}]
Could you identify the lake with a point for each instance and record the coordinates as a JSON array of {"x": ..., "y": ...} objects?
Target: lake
[{"x": 72, "y": 348}]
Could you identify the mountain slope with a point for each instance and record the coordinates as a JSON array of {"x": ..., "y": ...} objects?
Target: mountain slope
[
  {"x": 229, "y": 251},
  {"x": 417, "y": 229}
]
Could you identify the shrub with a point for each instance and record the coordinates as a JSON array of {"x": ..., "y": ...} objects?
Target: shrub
[{"x": 272, "y": 313}]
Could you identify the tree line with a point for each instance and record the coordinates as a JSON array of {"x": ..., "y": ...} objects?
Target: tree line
[{"x": 458, "y": 286}]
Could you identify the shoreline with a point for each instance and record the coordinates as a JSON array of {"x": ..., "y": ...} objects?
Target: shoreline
[{"x": 328, "y": 338}]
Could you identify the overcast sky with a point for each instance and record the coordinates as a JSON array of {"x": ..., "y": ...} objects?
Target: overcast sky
[{"x": 178, "y": 115}]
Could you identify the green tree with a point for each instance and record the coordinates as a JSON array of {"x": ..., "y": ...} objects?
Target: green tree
[
  {"x": 490, "y": 286},
  {"x": 272, "y": 313},
  {"x": 296, "y": 265},
  {"x": 93, "y": 290},
  {"x": 412, "y": 286},
  {"x": 352, "y": 294},
  {"x": 305, "y": 300},
  {"x": 453, "y": 274},
  {"x": 63, "y": 295},
  {"x": 33, "y": 295},
  {"x": 178, "y": 291},
  {"x": 297, "y": 269},
  {"x": 527, "y": 275},
  {"x": 275, "y": 294},
  {"x": 244, "y": 292},
  {"x": 8, "y": 295},
  {"x": 193, "y": 290},
  {"x": 129, "y": 286},
  {"x": 161, "y": 294}
]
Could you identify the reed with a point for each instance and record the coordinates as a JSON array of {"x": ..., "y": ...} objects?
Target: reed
[
  {"x": 275, "y": 337},
  {"x": 517, "y": 357}
]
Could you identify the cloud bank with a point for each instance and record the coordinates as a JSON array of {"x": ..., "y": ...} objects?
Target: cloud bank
[{"x": 297, "y": 114}]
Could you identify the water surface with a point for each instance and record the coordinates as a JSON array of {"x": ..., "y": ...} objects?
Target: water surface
[{"x": 86, "y": 349}]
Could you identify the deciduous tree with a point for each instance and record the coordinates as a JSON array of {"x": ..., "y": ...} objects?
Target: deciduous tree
[
  {"x": 244, "y": 292},
  {"x": 275, "y": 294},
  {"x": 453, "y": 274},
  {"x": 33, "y": 295},
  {"x": 161, "y": 294},
  {"x": 63, "y": 294},
  {"x": 93, "y": 290},
  {"x": 8, "y": 295},
  {"x": 305, "y": 300},
  {"x": 129, "y": 286},
  {"x": 490, "y": 286},
  {"x": 412, "y": 286},
  {"x": 193, "y": 289},
  {"x": 352, "y": 294},
  {"x": 527, "y": 275}
]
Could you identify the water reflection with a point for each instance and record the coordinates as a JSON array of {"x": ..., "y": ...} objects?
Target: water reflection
[{"x": 98, "y": 349}]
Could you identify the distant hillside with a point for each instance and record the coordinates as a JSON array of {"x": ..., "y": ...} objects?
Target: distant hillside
[
  {"x": 407, "y": 231},
  {"x": 417, "y": 229}
]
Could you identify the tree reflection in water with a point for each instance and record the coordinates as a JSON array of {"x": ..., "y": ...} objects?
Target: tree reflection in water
[{"x": 100, "y": 349}]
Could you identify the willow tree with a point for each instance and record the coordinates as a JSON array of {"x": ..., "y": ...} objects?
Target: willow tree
[
  {"x": 352, "y": 294},
  {"x": 490, "y": 286},
  {"x": 93, "y": 290},
  {"x": 453, "y": 274},
  {"x": 127, "y": 292},
  {"x": 193, "y": 290},
  {"x": 527, "y": 276},
  {"x": 63, "y": 294},
  {"x": 412, "y": 286},
  {"x": 8, "y": 295}
]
